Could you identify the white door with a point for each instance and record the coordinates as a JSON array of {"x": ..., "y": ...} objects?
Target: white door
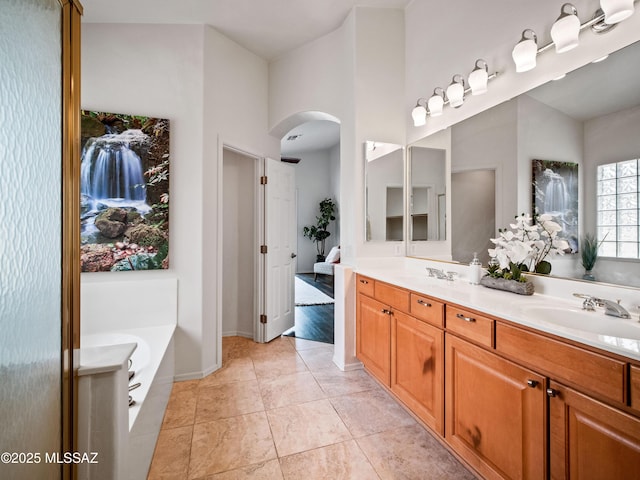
[{"x": 280, "y": 239}]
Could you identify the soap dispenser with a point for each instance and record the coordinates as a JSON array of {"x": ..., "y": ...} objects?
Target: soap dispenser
[{"x": 475, "y": 270}]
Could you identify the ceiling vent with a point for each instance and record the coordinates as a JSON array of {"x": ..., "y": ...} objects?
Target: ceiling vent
[{"x": 289, "y": 160}]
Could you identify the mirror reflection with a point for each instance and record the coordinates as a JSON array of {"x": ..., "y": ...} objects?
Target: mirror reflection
[
  {"x": 586, "y": 123},
  {"x": 384, "y": 192},
  {"x": 427, "y": 196}
]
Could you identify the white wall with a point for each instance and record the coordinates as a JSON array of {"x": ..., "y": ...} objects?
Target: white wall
[
  {"x": 334, "y": 186},
  {"x": 356, "y": 74},
  {"x": 239, "y": 244},
  {"x": 313, "y": 184},
  {"x": 235, "y": 82},
  {"x": 204, "y": 83},
  {"x": 490, "y": 30},
  {"x": 157, "y": 71}
]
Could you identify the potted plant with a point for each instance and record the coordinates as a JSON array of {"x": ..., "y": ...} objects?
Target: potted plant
[
  {"x": 523, "y": 249},
  {"x": 318, "y": 233},
  {"x": 589, "y": 255}
]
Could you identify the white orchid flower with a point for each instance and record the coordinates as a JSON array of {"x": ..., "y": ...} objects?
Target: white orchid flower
[{"x": 528, "y": 243}]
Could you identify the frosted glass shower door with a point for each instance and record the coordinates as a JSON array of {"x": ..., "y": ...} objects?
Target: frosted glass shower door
[{"x": 30, "y": 229}]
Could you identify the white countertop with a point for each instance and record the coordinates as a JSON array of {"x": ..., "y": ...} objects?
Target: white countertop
[
  {"x": 515, "y": 308},
  {"x": 102, "y": 359}
]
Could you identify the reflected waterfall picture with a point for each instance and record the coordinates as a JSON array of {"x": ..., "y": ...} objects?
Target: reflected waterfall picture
[
  {"x": 555, "y": 192},
  {"x": 124, "y": 192}
]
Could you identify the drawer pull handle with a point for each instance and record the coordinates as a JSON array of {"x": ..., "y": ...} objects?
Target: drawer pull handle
[
  {"x": 364, "y": 282},
  {"x": 466, "y": 319},
  {"x": 551, "y": 392},
  {"x": 422, "y": 302},
  {"x": 532, "y": 383},
  {"x": 386, "y": 312}
]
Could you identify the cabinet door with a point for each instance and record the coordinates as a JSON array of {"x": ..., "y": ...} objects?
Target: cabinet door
[
  {"x": 417, "y": 368},
  {"x": 495, "y": 412},
  {"x": 591, "y": 440},
  {"x": 373, "y": 337}
]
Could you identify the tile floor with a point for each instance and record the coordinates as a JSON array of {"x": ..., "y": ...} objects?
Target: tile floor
[{"x": 283, "y": 410}]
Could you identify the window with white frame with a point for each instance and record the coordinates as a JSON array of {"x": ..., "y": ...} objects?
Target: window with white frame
[{"x": 618, "y": 209}]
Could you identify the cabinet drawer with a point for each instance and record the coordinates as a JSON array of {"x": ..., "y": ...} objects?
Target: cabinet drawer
[
  {"x": 365, "y": 285},
  {"x": 392, "y": 296},
  {"x": 635, "y": 387},
  {"x": 470, "y": 325},
  {"x": 588, "y": 370},
  {"x": 427, "y": 309}
]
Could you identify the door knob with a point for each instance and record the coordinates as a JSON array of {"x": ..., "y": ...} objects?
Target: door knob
[
  {"x": 532, "y": 383},
  {"x": 293, "y": 255}
]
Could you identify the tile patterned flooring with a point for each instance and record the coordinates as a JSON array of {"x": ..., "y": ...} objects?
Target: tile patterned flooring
[{"x": 283, "y": 410}]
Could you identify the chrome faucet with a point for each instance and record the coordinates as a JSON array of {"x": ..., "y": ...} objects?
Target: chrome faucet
[
  {"x": 435, "y": 272},
  {"x": 610, "y": 307},
  {"x": 441, "y": 274}
]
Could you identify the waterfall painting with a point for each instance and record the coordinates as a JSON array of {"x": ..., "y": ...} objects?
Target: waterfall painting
[
  {"x": 124, "y": 192},
  {"x": 555, "y": 192}
]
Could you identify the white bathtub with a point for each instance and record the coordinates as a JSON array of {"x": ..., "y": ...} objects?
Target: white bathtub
[{"x": 153, "y": 363}]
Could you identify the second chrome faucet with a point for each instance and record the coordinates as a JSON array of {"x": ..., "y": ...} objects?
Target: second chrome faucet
[{"x": 610, "y": 307}]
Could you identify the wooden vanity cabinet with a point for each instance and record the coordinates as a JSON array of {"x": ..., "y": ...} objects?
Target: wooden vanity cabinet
[
  {"x": 635, "y": 387},
  {"x": 513, "y": 402},
  {"x": 496, "y": 412},
  {"x": 417, "y": 368},
  {"x": 373, "y": 337},
  {"x": 403, "y": 350},
  {"x": 375, "y": 305},
  {"x": 589, "y": 439}
]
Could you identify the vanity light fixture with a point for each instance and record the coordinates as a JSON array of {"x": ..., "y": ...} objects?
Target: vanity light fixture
[
  {"x": 455, "y": 91},
  {"x": 566, "y": 29},
  {"x": 479, "y": 78},
  {"x": 525, "y": 52},
  {"x": 435, "y": 104},
  {"x": 419, "y": 113},
  {"x": 616, "y": 10},
  {"x": 565, "y": 33}
]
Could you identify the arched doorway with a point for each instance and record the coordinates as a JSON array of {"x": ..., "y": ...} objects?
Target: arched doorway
[{"x": 311, "y": 142}]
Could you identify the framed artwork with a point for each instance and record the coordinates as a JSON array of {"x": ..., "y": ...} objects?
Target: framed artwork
[
  {"x": 555, "y": 192},
  {"x": 124, "y": 192}
]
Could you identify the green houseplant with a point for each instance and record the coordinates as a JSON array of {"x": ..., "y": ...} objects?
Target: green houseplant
[
  {"x": 589, "y": 254},
  {"x": 318, "y": 233}
]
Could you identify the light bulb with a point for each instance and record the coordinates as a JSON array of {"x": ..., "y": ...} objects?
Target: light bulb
[
  {"x": 566, "y": 30},
  {"x": 616, "y": 10},
  {"x": 455, "y": 91},
  {"x": 479, "y": 78},
  {"x": 525, "y": 52},
  {"x": 419, "y": 114}
]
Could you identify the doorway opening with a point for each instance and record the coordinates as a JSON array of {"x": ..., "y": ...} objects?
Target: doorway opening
[
  {"x": 239, "y": 243},
  {"x": 315, "y": 147}
]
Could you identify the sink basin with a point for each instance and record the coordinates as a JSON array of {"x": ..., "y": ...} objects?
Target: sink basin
[{"x": 584, "y": 321}]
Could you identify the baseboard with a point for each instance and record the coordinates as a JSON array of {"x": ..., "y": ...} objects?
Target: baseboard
[
  {"x": 238, "y": 334},
  {"x": 347, "y": 367},
  {"x": 183, "y": 377}
]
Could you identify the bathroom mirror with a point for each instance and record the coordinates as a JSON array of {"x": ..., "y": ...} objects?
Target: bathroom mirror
[
  {"x": 590, "y": 118},
  {"x": 384, "y": 192},
  {"x": 428, "y": 201},
  {"x": 427, "y": 194}
]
